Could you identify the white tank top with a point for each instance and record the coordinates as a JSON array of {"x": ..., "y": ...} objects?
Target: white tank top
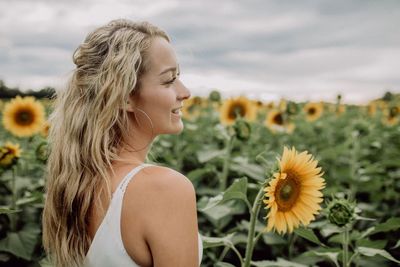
[{"x": 107, "y": 248}]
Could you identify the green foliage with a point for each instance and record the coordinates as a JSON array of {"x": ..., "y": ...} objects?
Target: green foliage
[{"x": 358, "y": 153}]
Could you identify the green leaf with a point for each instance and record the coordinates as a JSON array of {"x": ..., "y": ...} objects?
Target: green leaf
[
  {"x": 45, "y": 262},
  {"x": 8, "y": 211},
  {"x": 30, "y": 199},
  {"x": 390, "y": 225},
  {"x": 22, "y": 243},
  {"x": 224, "y": 264},
  {"x": 197, "y": 174},
  {"x": 370, "y": 252},
  {"x": 378, "y": 244},
  {"x": 309, "y": 235},
  {"x": 311, "y": 257},
  {"x": 238, "y": 190},
  {"x": 397, "y": 244},
  {"x": 242, "y": 166},
  {"x": 207, "y": 155},
  {"x": 271, "y": 238},
  {"x": 209, "y": 242},
  {"x": 221, "y": 215},
  {"x": 279, "y": 263}
]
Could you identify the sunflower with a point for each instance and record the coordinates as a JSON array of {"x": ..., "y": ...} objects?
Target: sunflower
[
  {"x": 191, "y": 108},
  {"x": 276, "y": 122},
  {"x": 391, "y": 116},
  {"x": 313, "y": 111},
  {"x": 23, "y": 116},
  {"x": 294, "y": 192},
  {"x": 234, "y": 107},
  {"x": 45, "y": 129},
  {"x": 282, "y": 104},
  {"x": 338, "y": 109},
  {"x": 270, "y": 105},
  {"x": 9, "y": 153}
]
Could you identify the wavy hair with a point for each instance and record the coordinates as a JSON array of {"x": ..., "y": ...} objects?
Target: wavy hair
[{"x": 88, "y": 127}]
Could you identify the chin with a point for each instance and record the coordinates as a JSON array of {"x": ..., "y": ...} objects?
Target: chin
[{"x": 177, "y": 129}]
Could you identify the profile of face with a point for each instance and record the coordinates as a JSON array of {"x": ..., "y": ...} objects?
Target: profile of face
[{"x": 161, "y": 93}]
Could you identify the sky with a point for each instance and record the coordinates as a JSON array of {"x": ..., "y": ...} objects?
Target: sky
[{"x": 299, "y": 50}]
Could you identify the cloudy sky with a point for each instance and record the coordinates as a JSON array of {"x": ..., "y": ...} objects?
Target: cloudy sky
[{"x": 301, "y": 50}]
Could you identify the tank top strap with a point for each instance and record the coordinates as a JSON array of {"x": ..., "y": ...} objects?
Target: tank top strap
[{"x": 124, "y": 183}]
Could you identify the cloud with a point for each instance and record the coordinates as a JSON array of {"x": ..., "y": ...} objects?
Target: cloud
[{"x": 303, "y": 49}]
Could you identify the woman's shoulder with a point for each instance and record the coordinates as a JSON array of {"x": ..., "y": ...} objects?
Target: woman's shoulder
[
  {"x": 164, "y": 178},
  {"x": 154, "y": 183}
]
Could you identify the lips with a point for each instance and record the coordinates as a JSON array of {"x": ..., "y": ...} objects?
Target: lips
[{"x": 177, "y": 111}]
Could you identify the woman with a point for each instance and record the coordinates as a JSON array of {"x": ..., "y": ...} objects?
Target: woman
[{"x": 104, "y": 205}]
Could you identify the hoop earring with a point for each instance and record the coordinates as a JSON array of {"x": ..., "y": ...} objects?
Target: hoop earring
[{"x": 152, "y": 129}]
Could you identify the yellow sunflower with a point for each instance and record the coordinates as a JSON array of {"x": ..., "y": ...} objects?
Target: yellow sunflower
[
  {"x": 282, "y": 104},
  {"x": 337, "y": 109},
  {"x": 391, "y": 116},
  {"x": 275, "y": 121},
  {"x": 313, "y": 111},
  {"x": 191, "y": 108},
  {"x": 8, "y": 153},
  {"x": 371, "y": 109},
  {"x": 23, "y": 116},
  {"x": 234, "y": 107},
  {"x": 341, "y": 109},
  {"x": 294, "y": 192},
  {"x": 270, "y": 105},
  {"x": 45, "y": 129}
]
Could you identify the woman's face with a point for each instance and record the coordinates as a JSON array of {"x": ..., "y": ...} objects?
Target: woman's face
[{"x": 161, "y": 92}]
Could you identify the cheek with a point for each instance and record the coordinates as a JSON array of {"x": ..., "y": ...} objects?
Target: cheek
[{"x": 161, "y": 103}]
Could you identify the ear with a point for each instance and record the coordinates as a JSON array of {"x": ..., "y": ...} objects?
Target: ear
[{"x": 130, "y": 106}]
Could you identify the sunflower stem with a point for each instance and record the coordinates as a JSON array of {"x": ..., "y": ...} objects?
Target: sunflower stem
[
  {"x": 253, "y": 218},
  {"x": 225, "y": 168},
  {"x": 222, "y": 256},
  {"x": 292, "y": 240},
  {"x": 13, "y": 216},
  {"x": 345, "y": 246}
]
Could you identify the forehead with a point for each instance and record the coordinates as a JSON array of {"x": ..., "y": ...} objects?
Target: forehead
[{"x": 161, "y": 55}]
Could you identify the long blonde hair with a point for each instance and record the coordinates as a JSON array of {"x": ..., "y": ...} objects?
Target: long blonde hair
[{"x": 88, "y": 127}]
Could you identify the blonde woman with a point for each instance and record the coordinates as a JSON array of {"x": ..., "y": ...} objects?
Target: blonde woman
[{"x": 105, "y": 206}]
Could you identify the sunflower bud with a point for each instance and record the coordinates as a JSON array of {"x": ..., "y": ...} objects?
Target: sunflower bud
[
  {"x": 292, "y": 108},
  {"x": 388, "y": 97},
  {"x": 242, "y": 130},
  {"x": 42, "y": 152},
  {"x": 214, "y": 96},
  {"x": 361, "y": 128},
  {"x": 341, "y": 212},
  {"x": 394, "y": 111}
]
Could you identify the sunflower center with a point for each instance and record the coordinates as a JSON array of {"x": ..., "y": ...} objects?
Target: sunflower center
[
  {"x": 24, "y": 117},
  {"x": 237, "y": 110},
  {"x": 278, "y": 119},
  {"x": 311, "y": 111},
  {"x": 393, "y": 112},
  {"x": 287, "y": 192}
]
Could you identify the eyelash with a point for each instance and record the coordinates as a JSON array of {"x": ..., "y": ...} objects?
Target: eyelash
[{"x": 173, "y": 79}]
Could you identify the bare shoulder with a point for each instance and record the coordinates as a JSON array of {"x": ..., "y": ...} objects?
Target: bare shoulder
[
  {"x": 164, "y": 180},
  {"x": 169, "y": 217}
]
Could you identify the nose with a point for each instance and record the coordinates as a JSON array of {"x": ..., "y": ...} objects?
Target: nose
[{"x": 183, "y": 91}]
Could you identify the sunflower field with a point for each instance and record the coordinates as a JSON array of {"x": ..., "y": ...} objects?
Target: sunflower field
[{"x": 277, "y": 183}]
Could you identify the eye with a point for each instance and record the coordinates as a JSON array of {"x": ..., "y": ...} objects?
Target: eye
[{"x": 171, "y": 81}]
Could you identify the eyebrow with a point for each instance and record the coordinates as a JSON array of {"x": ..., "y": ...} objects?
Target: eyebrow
[{"x": 169, "y": 69}]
